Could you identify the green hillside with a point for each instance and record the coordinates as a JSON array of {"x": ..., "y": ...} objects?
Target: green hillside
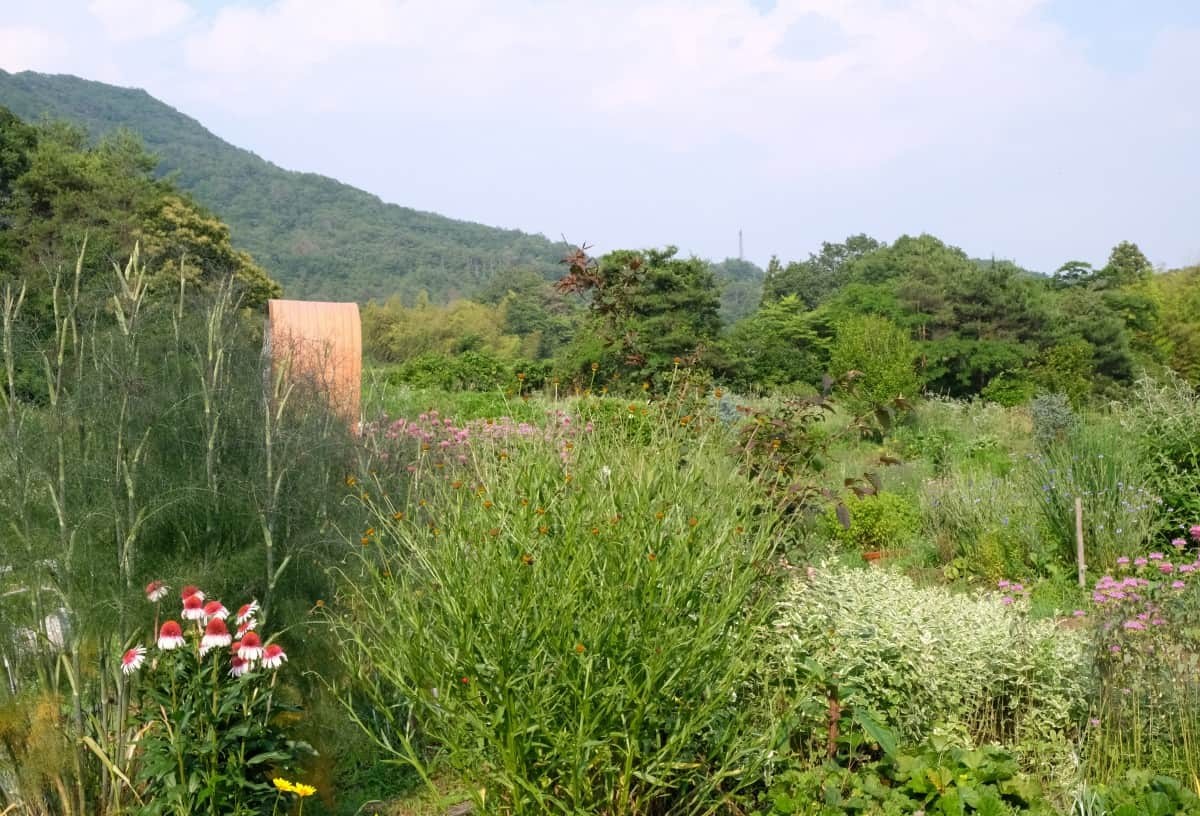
[{"x": 318, "y": 237}]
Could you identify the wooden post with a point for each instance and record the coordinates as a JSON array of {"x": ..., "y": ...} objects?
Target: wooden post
[{"x": 1079, "y": 542}]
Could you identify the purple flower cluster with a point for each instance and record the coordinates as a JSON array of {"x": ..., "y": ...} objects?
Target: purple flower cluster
[
  {"x": 452, "y": 441},
  {"x": 1012, "y": 591},
  {"x": 1137, "y": 598}
]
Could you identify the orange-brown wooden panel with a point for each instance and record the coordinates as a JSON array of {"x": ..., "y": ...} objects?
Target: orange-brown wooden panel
[{"x": 320, "y": 344}]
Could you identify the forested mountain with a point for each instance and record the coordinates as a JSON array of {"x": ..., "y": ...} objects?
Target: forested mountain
[{"x": 316, "y": 236}]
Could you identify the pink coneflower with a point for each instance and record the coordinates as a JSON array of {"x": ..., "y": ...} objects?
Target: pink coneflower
[
  {"x": 1133, "y": 624},
  {"x": 156, "y": 591},
  {"x": 1178, "y": 543},
  {"x": 133, "y": 659},
  {"x": 273, "y": 657},
  {"x": 1123, "y": 561},
  {"x": 1156, "y": 556},
  {"x": 238, "y": 667},
  {"x": 170, "y": 636},
  {"x": 1178, "y": 585},
  {"x": 1139, "y": 562},
  {"x": 189, "y": 590},
  {"x": 1195, "y": 532},
  {"x": 193, "y": 607},
  {"x": 215, "y": 635},
  {"x": 251, "y": 648},
  {"x": 215, "y": 609},
  {"x": 1166, "y": 567},
  {"x": 1079, "y": 613},
  {"x": 247, "y": 612},
  {"x": 1006, "y": 600}
]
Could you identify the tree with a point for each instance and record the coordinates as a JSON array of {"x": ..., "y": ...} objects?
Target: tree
[
  {"x": 776, "y": 346},
  {"x": 180, "y": 239},
  {"x": 648, "y": 307},
  {"x": 819, "y": 277},
  {"x": 741, "y": 285},
  {"x": 1126, "y": 266},
  {"x": 1074, "y": 273},
  {"x": 883, "y": 353}
]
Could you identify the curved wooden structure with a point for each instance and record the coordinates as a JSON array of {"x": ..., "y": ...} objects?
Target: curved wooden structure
[{"x": 320, "y": 346}]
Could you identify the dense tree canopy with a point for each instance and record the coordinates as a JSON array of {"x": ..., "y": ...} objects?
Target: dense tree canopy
[{"x": 60, "y": 195}]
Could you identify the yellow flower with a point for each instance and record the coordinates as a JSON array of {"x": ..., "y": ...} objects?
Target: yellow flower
[
  {"x": 303, "y": 790},
  {"x": 283, "y": 785}
]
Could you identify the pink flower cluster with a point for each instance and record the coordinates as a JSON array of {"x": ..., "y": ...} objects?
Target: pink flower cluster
[
  {"x": 1012, "y": 591},
  {"x": 212, "y": 632},
  {"x": 452, "y": 441},
  {"x": 1133, "y": 600}
]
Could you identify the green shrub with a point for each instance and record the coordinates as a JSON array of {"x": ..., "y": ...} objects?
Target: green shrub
[
  {"x": 1053, "y": 419},
  {"x": 1163, "y": 419},
  {"x": 885, "y": 356},
  {"x": 926, "y": 657},
  {"x": 886, "y": 521},
  {"x": 1009, "y": 389}
]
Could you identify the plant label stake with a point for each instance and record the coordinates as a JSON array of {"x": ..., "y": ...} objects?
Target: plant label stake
[{"x": 1079, "y": 541}]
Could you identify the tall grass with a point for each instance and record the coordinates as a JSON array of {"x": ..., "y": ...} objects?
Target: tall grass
[
  {"x": 1099, "y": 464},
  {"x": 135, "y": 445},
  {"x": 568, "y": 620}
]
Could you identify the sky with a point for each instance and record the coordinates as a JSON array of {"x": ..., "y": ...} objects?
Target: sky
[{"x": 1036, "y": 130}]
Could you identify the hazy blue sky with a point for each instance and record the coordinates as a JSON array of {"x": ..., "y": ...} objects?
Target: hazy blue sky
[{"x": 1036, "y": 130}]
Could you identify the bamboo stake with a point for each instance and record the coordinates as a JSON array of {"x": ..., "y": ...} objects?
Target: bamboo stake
[{"x": 1079, "y": 541}]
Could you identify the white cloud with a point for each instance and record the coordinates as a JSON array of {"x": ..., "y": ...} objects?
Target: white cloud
[
  {"x": 28, "y": 48},
  {"x": 130, "y": 20}
]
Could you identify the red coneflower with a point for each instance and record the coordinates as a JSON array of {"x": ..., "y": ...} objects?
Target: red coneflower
[
  {"x": 238, "y": 667},
  {"x": 170, "y": 636},
  {"x": 247, "y": 612},
  {"x": 193, "y": 607},
  {"x": 156, "y": 591},
  {"x": 251, "y": 648},
  {"x": 215, "y": 635},
  {"x": 215, "y": 609},
  {"x": 133, "y": 659},
  {"x": 273, "y": 657},
  {"x": 189, "y": 590},
  {"x": 248, "y": 626}
]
